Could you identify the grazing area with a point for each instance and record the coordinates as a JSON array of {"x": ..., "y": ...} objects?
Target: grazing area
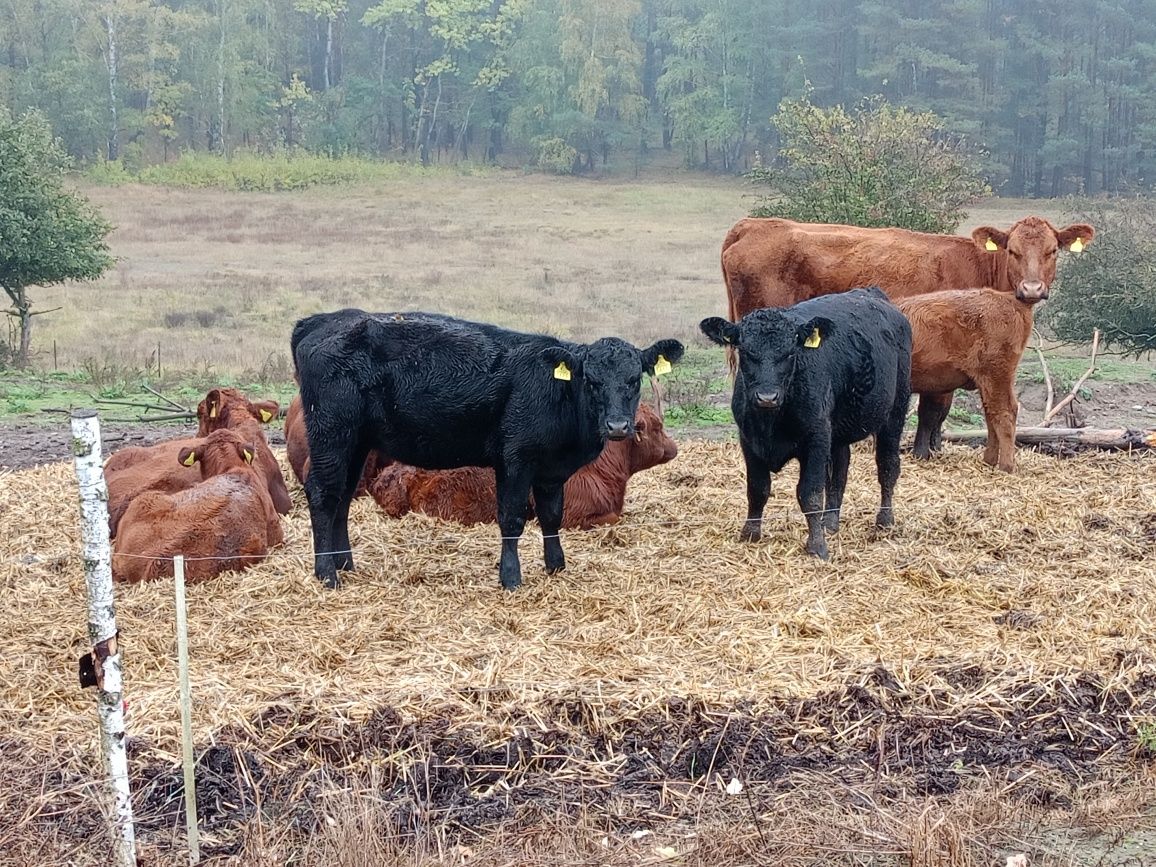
[{"x": 977, "y": 680}]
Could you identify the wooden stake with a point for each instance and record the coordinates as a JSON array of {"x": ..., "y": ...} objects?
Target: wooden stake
[
  {"x": 103, "y": 665},
  {"x": 186, "y": 714}
]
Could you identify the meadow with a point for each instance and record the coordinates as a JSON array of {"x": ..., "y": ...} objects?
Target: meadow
[{"x": 978, "y": 682}]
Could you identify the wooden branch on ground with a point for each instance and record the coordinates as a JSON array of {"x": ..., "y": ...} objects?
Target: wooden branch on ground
[
  {"x": 168, "y": 400},
  {"x": 1101, "y": 438},
  {"x": 1051, "y": 398},
  {"x": 1071, "y": 396}
]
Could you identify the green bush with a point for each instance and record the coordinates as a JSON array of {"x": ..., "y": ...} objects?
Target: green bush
[
  {"x": 1112, "y": 284},
  {"x": 877, "y": 165},
  {"x": 265, "y": 173},
  {"x": 555, "y": 156}
]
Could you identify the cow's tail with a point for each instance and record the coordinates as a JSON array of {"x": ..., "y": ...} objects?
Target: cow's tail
[{"x": 732, "y": 300}]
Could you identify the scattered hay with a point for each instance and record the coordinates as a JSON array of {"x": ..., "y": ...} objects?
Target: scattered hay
[{"x": 1014, "y": 610}]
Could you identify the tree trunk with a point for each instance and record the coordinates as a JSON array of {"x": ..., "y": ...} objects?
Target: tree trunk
[
  {"x": 328, "y": 51},
  {"x": 1107, "y": 438},
  {"x": 22, "y": 310},
  {"x": 110, "y": 62},
  {"x": 220, "y": 143}
]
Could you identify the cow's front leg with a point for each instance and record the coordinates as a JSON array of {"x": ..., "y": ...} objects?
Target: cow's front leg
[
  {"x": 548, "y": 505},
  {"x": 758, "y": 492},
  {"x": 513, "y": 485},
  {"x": 812, "y": 480},
  {"x": 836, "y": 485}
]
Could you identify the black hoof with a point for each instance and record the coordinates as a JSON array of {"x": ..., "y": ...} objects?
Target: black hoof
[{"x": 330, "y": 582}]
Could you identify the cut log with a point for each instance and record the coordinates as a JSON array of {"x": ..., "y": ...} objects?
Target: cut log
[{"x": 1099, "y": 438}]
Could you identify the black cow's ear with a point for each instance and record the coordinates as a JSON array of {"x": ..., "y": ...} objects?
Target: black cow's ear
[
  {"x": 669, "y": 351},
  {"x": 562, "y": 361},
  {"x": 814, "y": 331},
  {"x": 719, "y": 330}
]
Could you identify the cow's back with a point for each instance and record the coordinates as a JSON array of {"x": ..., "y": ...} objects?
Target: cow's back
[{"x": 770, "y": 262}]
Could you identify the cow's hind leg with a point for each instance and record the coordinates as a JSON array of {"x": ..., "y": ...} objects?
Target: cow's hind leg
[
  {"x": 548, "y": 505},
  {"x": 887, "y": 463},
  {"x": 342, "y": 547},
  {"x": 933, "y": 410},
  {"x": 513, "y": 484},
  {"x": 837, "y": 471}
]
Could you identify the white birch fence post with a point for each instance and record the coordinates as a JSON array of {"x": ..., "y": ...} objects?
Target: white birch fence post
[
  {"x": 103, "y": 666},
  {"x": 188, "y": 767}
]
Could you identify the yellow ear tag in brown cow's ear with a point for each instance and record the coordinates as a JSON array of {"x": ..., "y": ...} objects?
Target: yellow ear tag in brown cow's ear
[
  {"x": 562, "y": 372},
  {"x": 190, "y": 460},
  {"x": 266, "y": 415},
  {"x": 212, "y": 410},
  {"x": 814, "y": 340},
  {"x": 248, "y": 456},
  {"x": 991, "y": 246},
  {"x": 662, "y": 366},
  {"x": 1077, "y": 245}
]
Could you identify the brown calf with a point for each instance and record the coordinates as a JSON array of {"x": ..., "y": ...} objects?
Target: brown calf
[
  {"x": 972, "y": 339},
  {"x": 593, "y": 496},
  {"x": 229, "y": 515},
  {"x": 226, "y": 407}
]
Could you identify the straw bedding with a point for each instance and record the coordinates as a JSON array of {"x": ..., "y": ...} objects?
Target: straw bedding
[{"x": 1000, "y": 610}]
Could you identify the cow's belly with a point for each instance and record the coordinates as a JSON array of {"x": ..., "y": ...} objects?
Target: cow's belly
[{"x": 934, "y": 377}]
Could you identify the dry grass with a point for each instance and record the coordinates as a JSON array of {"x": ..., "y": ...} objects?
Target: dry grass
[
  {"x": 219, "y": 278},
  {"x": 1001, "y": 607}
]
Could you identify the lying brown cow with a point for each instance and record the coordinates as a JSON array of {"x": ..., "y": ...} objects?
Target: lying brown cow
[
  {"x": 133, "y": 470},
  {"x": 972, "y": 339},
  {"x": 229, "y": 515},
  {"x": 777, "y": 263},
  {"x": 592, "y": 497},
  {"x": 297, "y": 449},
  {"x": 227, "y": 407}
]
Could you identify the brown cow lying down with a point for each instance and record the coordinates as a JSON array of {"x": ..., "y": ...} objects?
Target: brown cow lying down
[
  {"x": 297, "y": 449},
  {"x": 132, "y": 470},
  {"x": 593, "y": 496},
  {"x": 228, "y": 515},
  {"x": 973, "y": 339},
  {"x": 227, "y": 407}
]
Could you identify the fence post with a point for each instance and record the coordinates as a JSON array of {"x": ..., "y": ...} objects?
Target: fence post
[
  {"x": 194, "y": 834},
  {"x": 103, "y": 665}
]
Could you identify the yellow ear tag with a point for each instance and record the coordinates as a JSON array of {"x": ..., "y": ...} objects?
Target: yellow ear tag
[
  {"x": 248, "y": 456},
  {"x": 661, "y": 366},
  {"x": 1077, "y": 245},
  {"x": 265, "y": 415},
  {"x": 814, "y": 340},
  {"x": 190, "y": 460},
  {"x": 562, "y": 371},
  {"x": 991, "y": 246},
  {"x": 212, "y": 410}
]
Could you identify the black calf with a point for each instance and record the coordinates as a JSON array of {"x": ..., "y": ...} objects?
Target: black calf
[
  {"x": 439, "y": 393},
  {"x": 812, "y": 379}
]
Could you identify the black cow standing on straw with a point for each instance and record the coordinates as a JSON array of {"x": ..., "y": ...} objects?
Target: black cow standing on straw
[
  {"x": 812, "y": 379},
  {"x": 440, "y": 393}
]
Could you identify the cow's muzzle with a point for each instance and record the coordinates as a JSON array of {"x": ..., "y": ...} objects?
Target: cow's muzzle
[
  {"x": 618, "y": 430},
  {"x": 1032, "y": 291},
  {"x": 768, "y": 399}
]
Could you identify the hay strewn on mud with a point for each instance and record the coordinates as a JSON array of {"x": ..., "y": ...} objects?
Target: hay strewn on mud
[
  {"x": 668, "y": 603},
  {"x": 1040, "y": 578}
]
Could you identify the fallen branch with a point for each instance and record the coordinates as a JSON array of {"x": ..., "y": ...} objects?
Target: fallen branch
[
  {"x": 1101, "y": 438},
  {"x": 1047, "y": 378},
  {"x": 1071, "y": 396},
  {"x": 167, "y": 400}
]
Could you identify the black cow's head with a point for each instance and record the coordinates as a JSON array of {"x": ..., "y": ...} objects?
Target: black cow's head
[
  {"x": 770, "y": 343},
  {"x": 609, "y": 371}
]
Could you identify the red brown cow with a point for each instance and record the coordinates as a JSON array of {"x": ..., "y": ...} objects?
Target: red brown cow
[
  {"x": 226, "y": 407},
  {"x": 133, "y": 467},
  {"x": 776, "y": 263},
  {"x": 592, "y": 497},
  {"x": 297, "y": 449},
  {"x": 228, "y": 515},
  {"x": 971, "y": 339}
]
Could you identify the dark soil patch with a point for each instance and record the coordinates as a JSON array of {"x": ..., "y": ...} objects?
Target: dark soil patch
[{"x": 566, "y": 759}]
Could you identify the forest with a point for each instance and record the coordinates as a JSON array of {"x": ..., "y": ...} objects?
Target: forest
[{"x": 1057, "y": 98}]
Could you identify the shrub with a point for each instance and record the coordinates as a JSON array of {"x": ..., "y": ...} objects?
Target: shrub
[
  {"x": 555, "y": 156},
  {"x": 877, "y": 165},
  {"x": 1112, "y": 284}
]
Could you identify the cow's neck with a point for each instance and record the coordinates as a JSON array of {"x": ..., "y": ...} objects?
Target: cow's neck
[{"x": 998, "y": 278}]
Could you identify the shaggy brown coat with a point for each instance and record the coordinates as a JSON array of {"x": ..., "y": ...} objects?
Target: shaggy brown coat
[
  {"x": 593, "y": 496},
  {"x": 227, "y": 515}
]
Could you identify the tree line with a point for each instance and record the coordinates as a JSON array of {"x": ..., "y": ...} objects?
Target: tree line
[{"x": 1059, "y": 98}]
